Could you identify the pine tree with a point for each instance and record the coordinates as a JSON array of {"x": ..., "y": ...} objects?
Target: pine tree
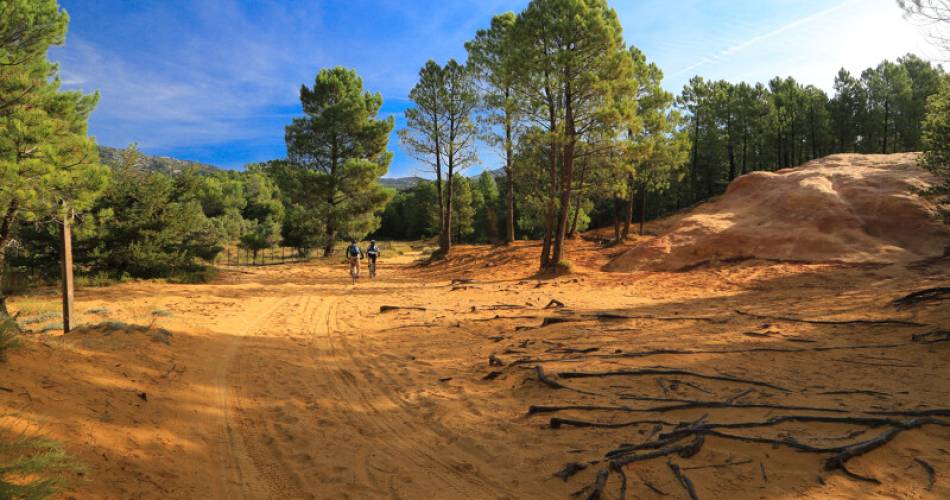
[
  {"x": 49, "y": 167},
  {"x": 337, "y": 153}
]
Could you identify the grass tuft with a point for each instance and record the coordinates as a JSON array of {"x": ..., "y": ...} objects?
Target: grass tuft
[{"x": 8, "y": 337}]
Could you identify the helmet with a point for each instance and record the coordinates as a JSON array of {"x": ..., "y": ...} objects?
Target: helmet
[
  {"x": 353, "y": 240},
  {"x": 372, "y": 242}
]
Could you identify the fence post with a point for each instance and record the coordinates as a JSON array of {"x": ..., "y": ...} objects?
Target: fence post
[{"x": 67, "y": 269}]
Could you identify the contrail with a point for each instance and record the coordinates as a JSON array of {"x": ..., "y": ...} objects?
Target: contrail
[{"x": 765, "y": 36}]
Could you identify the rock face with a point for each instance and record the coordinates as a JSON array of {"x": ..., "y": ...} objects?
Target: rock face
[{"x": 842, "y": 208}]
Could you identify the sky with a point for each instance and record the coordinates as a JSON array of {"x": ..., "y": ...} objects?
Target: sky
[{"x": 216, "y": 81}]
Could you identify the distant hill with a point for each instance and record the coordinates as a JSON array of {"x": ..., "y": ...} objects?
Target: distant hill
[
  {"x": 401, "y": 183},
  {"x": 163, "y": 164},
  {"x": 404, "y": 183}
]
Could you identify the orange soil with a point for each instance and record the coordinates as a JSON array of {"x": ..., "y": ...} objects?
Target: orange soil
[
  {"x": 859, "y": 209},
  {"x": 286, "y": 382}
]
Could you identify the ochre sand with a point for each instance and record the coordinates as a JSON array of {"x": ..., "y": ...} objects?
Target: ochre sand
[{"x": 287, "y": 382}]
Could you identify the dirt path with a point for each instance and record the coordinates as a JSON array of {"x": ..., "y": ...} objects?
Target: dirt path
[{"x": 287, "y": 382}]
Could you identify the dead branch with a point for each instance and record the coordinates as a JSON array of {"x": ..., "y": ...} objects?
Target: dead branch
[
  {"x": 569, "y": 470},
  {"x": 689, "y": 404},
  {"x": 931, "y": 473},
  {"x": 932, "y": 337},
  {"x": 623, "y": 482},
  {"x": 607, "y": 316},
  {"x": 838, "y": 461},
  {"x": 727, "y": 463},
  {"x": 670, "y": 371},
  {"x": 383, "y": 309},
  {"x": 684, "y": 451},
  {"x": 683, "y": 480},
  {"x": 925, "y": 296},
  {"x": 504, "y": 307},
  {"x": 831, "y": 321},
  {"x": 551, "y": 320},
  {"x": 599, "y": 485},
  {"x": 555, "y": 384}
]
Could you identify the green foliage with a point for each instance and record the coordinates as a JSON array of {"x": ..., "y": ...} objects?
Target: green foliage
[
  {"x": 148, "y": 225},
  {"x": 336, "y": 155},
  {"x": 440, "y": 132},
  {"x": 32, "y": 468},
  {"x": 49, "y": 167},
  {"x": 936, "y": 141}
]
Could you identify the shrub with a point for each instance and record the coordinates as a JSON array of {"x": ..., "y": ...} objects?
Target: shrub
[{"x": 564, "y": 267}]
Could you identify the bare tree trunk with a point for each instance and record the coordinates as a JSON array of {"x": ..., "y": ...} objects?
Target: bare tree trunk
[{"x": 887, "y": 112}]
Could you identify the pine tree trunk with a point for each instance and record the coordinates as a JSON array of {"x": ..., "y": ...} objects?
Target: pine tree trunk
[
  {"x": 631, "y": 202},
  {"x": 887, "y": 112},
  {"x": 6, "y": 236},
  {"x": 567, "y": 174},
  {"x": 643, "y": 206},
  {"x": 509, "y": 178}
]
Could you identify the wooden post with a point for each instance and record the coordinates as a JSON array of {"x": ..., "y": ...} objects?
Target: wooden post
[{"x": 67, "y": 273}]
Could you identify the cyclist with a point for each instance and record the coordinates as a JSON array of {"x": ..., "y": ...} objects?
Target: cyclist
[
  {"x": 372, "y": 253},
  {"x": 353, "y": 254}
]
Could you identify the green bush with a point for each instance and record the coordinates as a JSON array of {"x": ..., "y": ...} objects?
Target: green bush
[{"x": 33, "y": 468}]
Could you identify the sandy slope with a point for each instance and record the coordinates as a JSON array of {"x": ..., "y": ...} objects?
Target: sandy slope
[
  {"x": 841, "y": 208},
  {"x": 285, "y": 382}
]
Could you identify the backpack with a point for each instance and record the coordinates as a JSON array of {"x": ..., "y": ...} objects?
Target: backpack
[{"x": 353, "y": 251}]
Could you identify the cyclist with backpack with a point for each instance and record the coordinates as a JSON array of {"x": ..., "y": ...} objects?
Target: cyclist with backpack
[
  {"x": 372, "y": 253},
  {"x": 354, "y": 254}
]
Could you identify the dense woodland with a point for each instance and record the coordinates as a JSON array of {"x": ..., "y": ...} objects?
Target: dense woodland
[{"x": 587, "y": 134}]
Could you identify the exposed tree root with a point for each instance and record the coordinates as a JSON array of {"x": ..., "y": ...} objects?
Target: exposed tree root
[
  {"x": 925, "y": 296},
  {"x": 831, "y": 321},
  {"x": 670, "y": 371},
  {"x": 683, "y": 480},
  {"x": 931, "y": 473},
  {"x": 554, "y": 304}
]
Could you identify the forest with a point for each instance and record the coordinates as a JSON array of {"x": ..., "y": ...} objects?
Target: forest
[
  {"x": 587, "y": 133},
  {"x": 576, "y": 220}
]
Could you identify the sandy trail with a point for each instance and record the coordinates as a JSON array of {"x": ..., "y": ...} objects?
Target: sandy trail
[{"x": 286, "y": 382}]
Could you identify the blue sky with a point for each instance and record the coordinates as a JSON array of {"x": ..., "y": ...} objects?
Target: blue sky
[{"x": 217, "y": 80}]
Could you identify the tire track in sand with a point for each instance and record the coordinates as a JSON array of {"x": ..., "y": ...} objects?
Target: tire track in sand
[
  {"x": 397, "y": 434},
  {"x": 239, "y": 477}
]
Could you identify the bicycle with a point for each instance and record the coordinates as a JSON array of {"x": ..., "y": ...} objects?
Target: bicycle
[{"x": 372, "y": 268}]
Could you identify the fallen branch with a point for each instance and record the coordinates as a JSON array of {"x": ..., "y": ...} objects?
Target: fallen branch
[
  {"x": 831, "y": 321},
  {"x": 685, "y": 451},
  {"x": 555, "y": 384},
  {"x": 599, "y": 485},
  {"x": 723, "y": 465},
  {"x": 683, "y": 480},
  {"x": 670, "y": 371},
  {"x": 569, "y": 470},
  {"x": 925, "y": 296},
  {"x": 932, "y": 337},
  {"x": 606, "y": 316},
  {"x": 551, "y": 320},
  {"x": 383, "y": 309}
]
